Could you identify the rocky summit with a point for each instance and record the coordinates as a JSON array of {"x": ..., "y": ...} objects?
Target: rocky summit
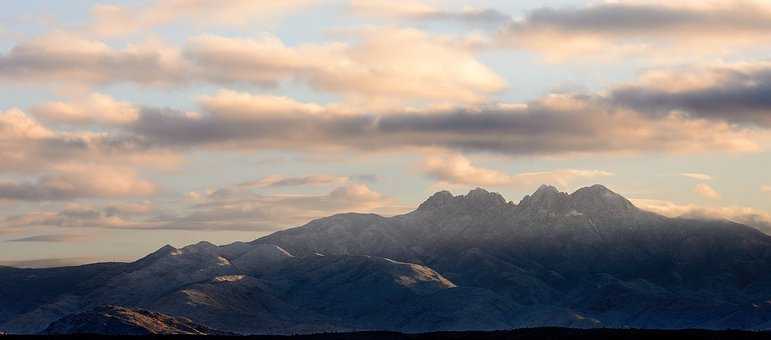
[{"x": 472, "y": 262}]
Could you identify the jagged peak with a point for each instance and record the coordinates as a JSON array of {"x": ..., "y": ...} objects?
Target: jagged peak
[
  {"x": 166, "y": 249},
  {"x": 161, "y": 252},
  {"x": 477, "y": 198},
  {"x": 545, "y": 189},
  {"x": 598, "y": 197},
  {"x": 545, "y": 198},
  {"x": 437, "y": 200},
  {"x": 595, "y": 199},
  {"x": 596, "y": 188},
  {"x": 203, "y": 245},
  {"x": 483, "y": 196}
]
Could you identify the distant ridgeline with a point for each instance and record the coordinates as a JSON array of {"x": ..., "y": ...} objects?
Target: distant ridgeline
[{"x": 458, "y": 263}]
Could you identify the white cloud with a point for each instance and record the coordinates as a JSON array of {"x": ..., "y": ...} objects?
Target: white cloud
[
  {"x": 455, "y": 169},
  {"x": 284, "y": 181},
  {"x": 116, "y": 20},
  {"x": 95, "y": 108},
  {"x": 697, "y": 176},
  {"x": 29, "y": 147},
  {"x": 706, "y": 191},
  {"x": 383, "y": 64},
  {"x": 380, "y": 67},
  {"x": 745, "y": 215}
]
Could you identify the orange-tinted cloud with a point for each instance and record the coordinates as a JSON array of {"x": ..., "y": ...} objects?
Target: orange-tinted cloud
[{"x": 455, "y": 169}]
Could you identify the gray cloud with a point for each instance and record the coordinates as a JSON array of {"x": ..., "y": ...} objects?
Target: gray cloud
[
  {"x": 238, "y": 208},
  {"x": 555, "y": 125},
  {"x": 28, "y": 146},
  {"x": 369, "y": 178},
  {"x": 230, "y": 208},
  {"x": 73, "y": 182},
  {"x": 282, "y": 181},
  {"x": 53, "y": 238},
  {"x": 420, "y": 11},
  {"x": 486, "y": 16},
  {"x": 63, "y": 57},
  {"x": 667, "y": 30},
  {"x": 124, "y": 216},
  {"x": 740, "y": 95},
  {"x": 629, "y": 18}
]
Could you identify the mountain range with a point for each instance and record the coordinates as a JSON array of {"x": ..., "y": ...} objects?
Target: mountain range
[{"x": 470, "y": 262}]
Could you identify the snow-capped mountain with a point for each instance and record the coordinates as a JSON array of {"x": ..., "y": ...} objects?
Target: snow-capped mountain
[{"x": 470, "y": 262}]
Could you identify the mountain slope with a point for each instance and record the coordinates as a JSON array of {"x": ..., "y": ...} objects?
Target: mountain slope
[
  {"x": 552, "y": 246},
  {"x": 114, "y": 320},
  {"x": 471, "y": 262}
]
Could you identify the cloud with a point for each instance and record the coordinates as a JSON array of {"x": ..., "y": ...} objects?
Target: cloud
[
  {"x": 706, "y": 191},
  {"x": 766, "y": 188},
  {"x": 621, "y": 28},
  {"x": 421, "y": 11},
  {"x": 697, "y": 176},
  {"x": 283, "y": 181},
  {"x": 79, "y": 181},
  {"x": 229, "y": 208},
  {"x": 15, "y": 124},
  {"x": 53, "y": 238},
  {"x": 744, "y": 215},
  {"x": 66, "y": 58},
  {"x": 28, "y": 147},
  {"x": 116, "y": 20},
  {"x": 557, "y": 124},
  {"x": 737, "y": 93},
  {"x": 236, "y": 208},
  {"x": 117, "y": 216},
  {"x": 382, "y": 64},
  {"x": 95, "y": 108},
  {"x": 456, "y": 169}
]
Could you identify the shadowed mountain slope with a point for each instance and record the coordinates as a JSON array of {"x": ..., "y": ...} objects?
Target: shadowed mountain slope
[{"x": 471, "y": 262}]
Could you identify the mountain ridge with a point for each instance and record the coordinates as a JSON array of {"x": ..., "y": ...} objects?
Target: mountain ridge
[{"x": 585, "y": 259}]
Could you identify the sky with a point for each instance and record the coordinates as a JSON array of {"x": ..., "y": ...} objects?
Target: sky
[{"x": 128, "y": 125}]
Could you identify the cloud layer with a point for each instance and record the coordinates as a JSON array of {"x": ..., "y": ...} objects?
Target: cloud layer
[
  {"x": 374, "y": 65},
  {"x": 745, "y": 215},
  {"x": 115, "y": 20},
  {"x": 558, "y": 124},
  {"x": 79, "y": 181},
  {"x": 455, "y": 169},
  {"x": 623, "y": 28},
  {"x": 237, "y": 207}
]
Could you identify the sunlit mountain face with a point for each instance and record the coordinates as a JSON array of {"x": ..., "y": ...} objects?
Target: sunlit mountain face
[{"x": 127, "y": 127}]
